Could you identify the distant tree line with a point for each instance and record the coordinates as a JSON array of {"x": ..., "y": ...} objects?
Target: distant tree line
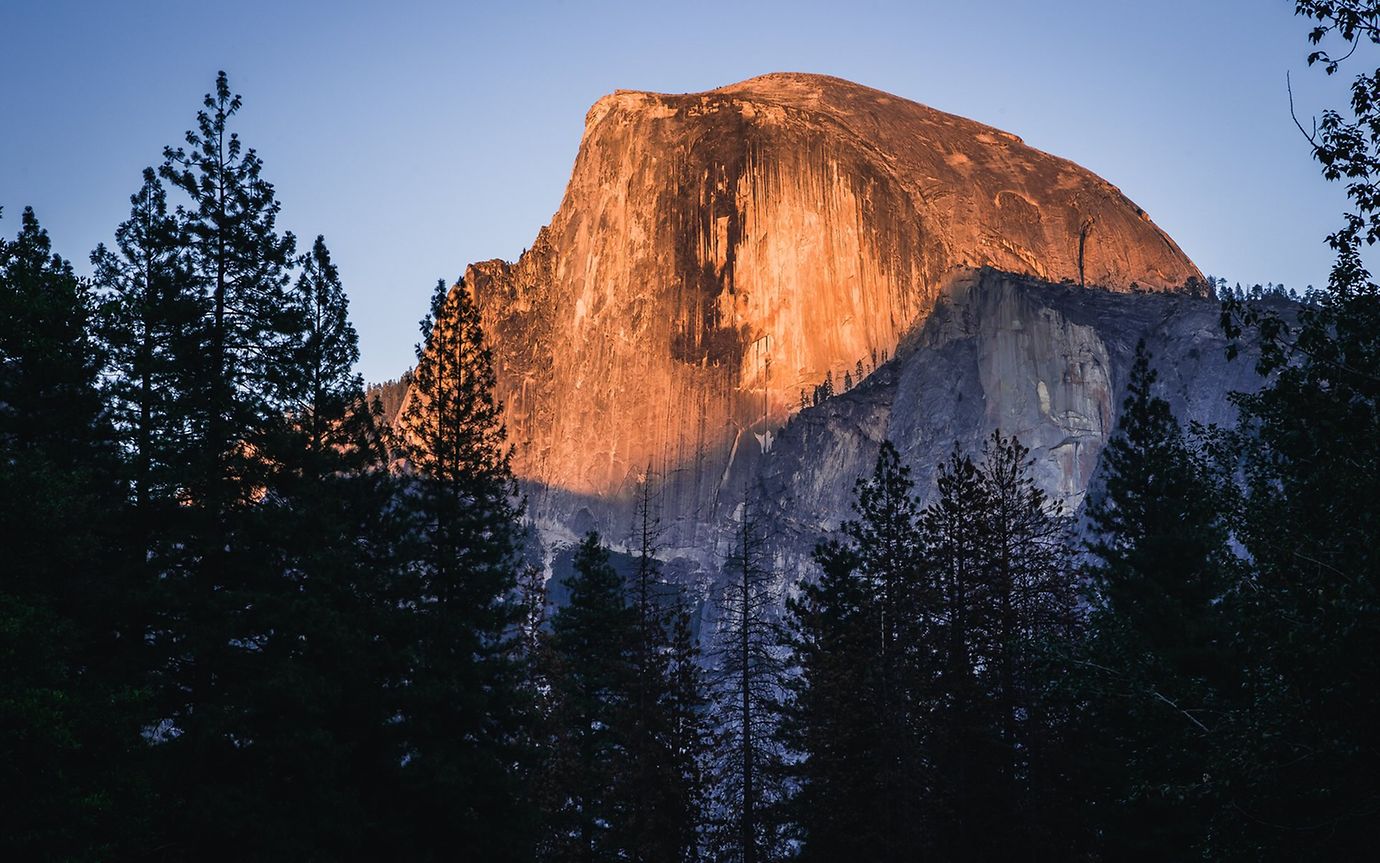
[
  {"x": 242, "y": 617},
  {"x": 390, "y": 394},
  {"x": 1220, "y": 289},
  {"x": 825, "y": 389}
]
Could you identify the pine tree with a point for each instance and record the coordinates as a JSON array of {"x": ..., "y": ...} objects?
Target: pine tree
[
  {"x": 1155, "y": 661},
  {"x": 687, "y": 743},
  {"x": 211, "y": 631},
  {"x": 462, "y": 722},
  {"x": 885, "y": 540},
  {"x": 862, "y": 642},
  {"x": 238, "y": 257},
  {"x": 953, "y": 530},
  {"x": 747, "y": 688},
  {"x": 56, "y": 432},
  {"x": 149, "y": 316},
  {"x": 592, "y": 677},
  {"x": 995, "y": 558},
  {"x": 662, "y": 787},
  {"x": 1159, "y": 538},
  {"x": 828, "y": 719},
  {"x": 1027, "y": 598},
  {"x": 149, "y": 328},
  {"x": 71, "y": 698},
  {"x": 317, "y": 383},
  {"x": 646, "y": 722},
  {"x": 327, "y": 527}
]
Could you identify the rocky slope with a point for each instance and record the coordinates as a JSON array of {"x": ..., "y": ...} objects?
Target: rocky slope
[
  {"x": 1046, "y": 362},
  {"x": 718, "y": 253}
]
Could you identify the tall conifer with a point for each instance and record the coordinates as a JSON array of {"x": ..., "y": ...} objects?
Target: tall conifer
[
  {"x": 71, "y": 698},
  {"x": 1303, "y": 756},
  {"x": 211, "y": 630},
  {"x": 748, "y": 676},
  {"x": 593, "y": 684},
  {"x": 463, "y": 717},
  {"x": 330, "y": 534},
  {"x": 1159, "y": 631},
  {"x": 663, "y": 723},
  {"x": 150, "y": 314},
  {"x": 861, "y": 640}
]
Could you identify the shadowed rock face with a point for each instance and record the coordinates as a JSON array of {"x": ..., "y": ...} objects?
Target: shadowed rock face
[
  {"x": 1046, "y": 363},
  {"x": 717, "y": 253}
]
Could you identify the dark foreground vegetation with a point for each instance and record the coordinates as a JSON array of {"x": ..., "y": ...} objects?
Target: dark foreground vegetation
[{"x": 244, "y": 618}]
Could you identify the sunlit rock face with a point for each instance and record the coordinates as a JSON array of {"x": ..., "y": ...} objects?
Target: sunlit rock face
[
  {"x": 1047, "y": 363},
  {"x": 718, "y": 253}
]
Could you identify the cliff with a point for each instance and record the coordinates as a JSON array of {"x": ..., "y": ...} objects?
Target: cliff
[
  {"x": 1048, "y": 363},
  {"x": 718, "y": 253}
]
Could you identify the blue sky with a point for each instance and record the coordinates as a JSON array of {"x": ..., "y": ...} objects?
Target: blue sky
[{"x": 420, "y": 136}]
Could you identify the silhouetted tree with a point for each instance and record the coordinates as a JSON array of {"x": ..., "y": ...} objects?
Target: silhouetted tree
[
  {"x": 747, "y": 692},
  {"x": 327, "y": 528},
  {"x": 923, "y": 711},
  {"x": 860, "y": 640},
  {"x": 71, "y": 696},
  {"x": 462, "y": 720},
  {"x": 150, "y": 312},
  {"x": 1302, "y": 756},
  {"x": 954, "y": 536},
  {"x": 689, "y": 737},
  {"x": 665, "y": 741},
  {"x": 1155, "y": 660},
  {"x": 592, "y": 678},
  {"x": 1025, "y": 612},
  {"x": 829, "y": 718},
  {"x": 241, "y": 262},
  {"x": 210, "y": 632}
]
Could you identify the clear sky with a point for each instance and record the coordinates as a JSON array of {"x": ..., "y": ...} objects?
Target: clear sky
[{"x": 420, "y": 136}]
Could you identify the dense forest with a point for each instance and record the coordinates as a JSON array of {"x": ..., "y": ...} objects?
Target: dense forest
[{"x": 250, "y": 610}]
